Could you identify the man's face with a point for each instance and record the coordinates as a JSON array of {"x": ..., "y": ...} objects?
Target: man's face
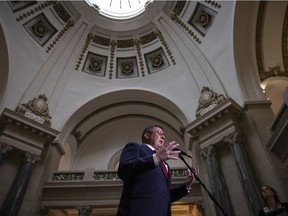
[{"x": 156, "y": 138}]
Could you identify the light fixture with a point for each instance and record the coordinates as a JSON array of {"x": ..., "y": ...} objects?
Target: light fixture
[{"x": 120, "y": 9}]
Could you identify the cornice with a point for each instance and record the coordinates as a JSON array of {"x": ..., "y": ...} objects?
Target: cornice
[{"x": 227, "y": 108}]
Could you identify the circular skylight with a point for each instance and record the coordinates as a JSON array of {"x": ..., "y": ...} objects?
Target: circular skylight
[{"x": 120, "y": 9}]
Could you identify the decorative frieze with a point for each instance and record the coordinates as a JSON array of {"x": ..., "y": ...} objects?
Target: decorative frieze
[
  {"x": 102, "y": 175},
  {"x": 62, "y": 12},
  {"x": 179, "y": 7}
]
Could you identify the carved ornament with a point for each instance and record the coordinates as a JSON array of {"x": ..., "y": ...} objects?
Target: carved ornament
[
  {"x": 36, "y": 109},
  {"x": 208, "y": 100}
]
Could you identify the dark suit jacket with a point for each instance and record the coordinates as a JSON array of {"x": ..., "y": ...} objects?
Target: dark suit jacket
[
  {"x": 284, "y": 206},
  {"x": 146, "y": 191}
]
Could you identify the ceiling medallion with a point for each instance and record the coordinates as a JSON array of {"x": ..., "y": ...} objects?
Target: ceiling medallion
[{"x": 120, "y": 9}]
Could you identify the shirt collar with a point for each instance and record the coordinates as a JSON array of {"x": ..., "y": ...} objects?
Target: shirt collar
[{"x": 151, "y": 147}]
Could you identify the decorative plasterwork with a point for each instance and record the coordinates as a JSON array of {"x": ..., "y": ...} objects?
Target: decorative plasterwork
[
  {"x": 273, "y": 71},
  {"x": 202, "y": 18},
  {"x": 112, "y": 56},
  {"x": 211, "y": 127},
  {"x": 68, "y": 25},
  {"x": 40, "y": 29},
  {"x": 156, "y": 61},
  {"x": 208, "y": 100},
  {"x": 84, "y": 50},
  {"x": 62, "y": 12},
  {"x": 165, "y": 45},
  {"x": 20, "y": 5},
  {"x": 125, "y": 43},
  {"x": 101, "y": 40},
  {"x": 179, "y": 7},
  {"x": 36, "y": 10},
  {"x": 145, "y": 39},
  {"x": 95, "y": 64},
  {"x": 175, "y": 18},
  {"x": 101, "y": 175},
  {"x": 36, "y": 109},
  {"x": 139, "y": 55},
  {"x": 127, "y": 67},
  {"x": 24, "y": 133},
  {"x": 213, "y": 3}
]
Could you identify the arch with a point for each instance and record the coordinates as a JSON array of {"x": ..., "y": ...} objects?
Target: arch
[
  {"x": 244, "y": 49},
  {"x": 103, "y": 125},
  {"x": 4, "y": 63}
]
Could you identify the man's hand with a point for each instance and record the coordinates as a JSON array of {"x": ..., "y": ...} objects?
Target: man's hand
[
  {"x": 191, "y": 176},
  {"x": 167, "y": 152}
]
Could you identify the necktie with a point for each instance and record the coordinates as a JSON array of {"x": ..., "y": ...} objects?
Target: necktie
[
  {"x": 164, "y": 170},
  {"x": 163, "y": 166}
]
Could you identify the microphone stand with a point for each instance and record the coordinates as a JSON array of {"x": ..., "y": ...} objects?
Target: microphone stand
[{"x": 203, "y": 185}]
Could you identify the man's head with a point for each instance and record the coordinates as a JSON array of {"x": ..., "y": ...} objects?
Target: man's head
[{"x": 154, "y": 136}]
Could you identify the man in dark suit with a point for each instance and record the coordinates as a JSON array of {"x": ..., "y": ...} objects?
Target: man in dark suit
[{"x": 147, "y": 177}]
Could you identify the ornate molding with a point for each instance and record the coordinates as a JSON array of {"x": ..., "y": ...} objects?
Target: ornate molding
[
  {"x": 112, "y": 56},
  {"x": 36, "y": 109},
  {"x": 31, "y": 158},
  {"x": 69, "y": 24},
  {"x": 208, "y": 151},
  {"x": 165, "y": 45},
  {"x": 89, "y": 38},
  {"x": 175, "y": 18},
  {"x": 25, "y": 133},
  {"x": 211, "y": 127},
  {"x": 139, "y": 55},
  {"x": 208, "y": 100},
  {"x": 5, "y": 148},
  {"x": 273, "y": 71},
  {"x": 40, "y": 7},
  {"x": 102, "y": 175}
]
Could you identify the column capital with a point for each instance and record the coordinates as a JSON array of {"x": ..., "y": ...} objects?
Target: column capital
[
  {"x": 234, "y": 137},
  {"x": 31, "y": 158},
  {"x": 208, "y": 151},
  {"x": 5, "y": 148}
]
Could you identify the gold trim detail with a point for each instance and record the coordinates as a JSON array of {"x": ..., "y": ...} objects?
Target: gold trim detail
[
  {"x": 84, "y": 50},
  {"x": 165, "y": 45},
  {"x": 139, "y": 55},
  {"x": 36, "y": 10},
  {"x": 175, "y": 18},
  {"x": 112, "y": 56},
  {"x": 213, "y": 3},
  {"x": 68, "y": 25}
]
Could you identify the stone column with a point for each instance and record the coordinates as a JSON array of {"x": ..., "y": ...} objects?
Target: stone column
[
  {"x": 17, "y": 191},
  {"x": 4, "y": 148},
  {"x": 246, "y": 174},
  {"x": 84, "y": 210},
  {"x": 217, "y": 181}
]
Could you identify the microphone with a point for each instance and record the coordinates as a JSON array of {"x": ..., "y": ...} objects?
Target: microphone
[{"x": 182, "y": 152}]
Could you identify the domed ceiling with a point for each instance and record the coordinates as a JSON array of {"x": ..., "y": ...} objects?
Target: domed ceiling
[{"x": 122, "y": 32}]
